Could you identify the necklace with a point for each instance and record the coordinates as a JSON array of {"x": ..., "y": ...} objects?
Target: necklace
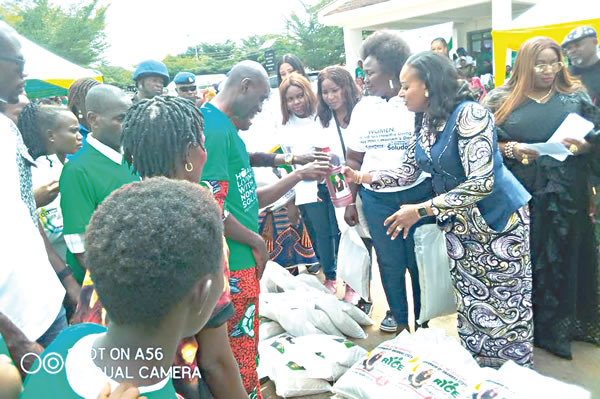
[{"x": 541, "y": 100}]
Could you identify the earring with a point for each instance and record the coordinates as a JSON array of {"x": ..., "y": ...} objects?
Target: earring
[
  {"x": 80, "y": 116},
  {"x": 189, "y": 167},
  {"x": 426, "y": 94},
  {"x": 391, "y": 84}
]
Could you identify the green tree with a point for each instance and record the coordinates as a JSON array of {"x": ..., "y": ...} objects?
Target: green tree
[
  {"x": 317, "y": 45},
  {"x": 117, "y": 76},
  {"x": 76, "y": 33}
]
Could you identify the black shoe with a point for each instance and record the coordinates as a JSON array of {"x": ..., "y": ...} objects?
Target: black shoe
[
  {"x": 314, "y": 268},
  {"x": 424, "y": 325},
  {"x": 365, "y": 306}
]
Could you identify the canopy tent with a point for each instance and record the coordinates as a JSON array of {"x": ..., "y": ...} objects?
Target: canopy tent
[
  {"x": 557, "y": 25},
  {"x": 48, "y": 74}
]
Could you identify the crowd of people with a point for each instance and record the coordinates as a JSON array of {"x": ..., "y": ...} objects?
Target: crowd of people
[{"x": 138, "y": 226}]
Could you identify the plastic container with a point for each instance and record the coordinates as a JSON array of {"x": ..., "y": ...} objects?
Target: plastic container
[{"x": 339, "y": 191}]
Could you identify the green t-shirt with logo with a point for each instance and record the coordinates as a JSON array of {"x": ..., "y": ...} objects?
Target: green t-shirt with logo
[
  {"x": 51, "y": 379},
  {"x": 86, "y": 180},
  {"x": 227, "y": 160}
]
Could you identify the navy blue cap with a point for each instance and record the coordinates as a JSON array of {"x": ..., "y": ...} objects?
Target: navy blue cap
[
  {"x": 579, "y": 33},
  {"x": 184, "y": 77}
]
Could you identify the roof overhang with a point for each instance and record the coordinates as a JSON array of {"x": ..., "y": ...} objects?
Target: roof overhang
[{"x": 403, "y": 14}]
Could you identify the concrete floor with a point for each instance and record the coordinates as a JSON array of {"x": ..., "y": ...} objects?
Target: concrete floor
[{"x": 583, "y": 370}]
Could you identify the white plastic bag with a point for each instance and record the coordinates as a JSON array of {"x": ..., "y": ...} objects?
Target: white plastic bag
[
  {"x": 437, "y": 290},
  {"x": 277, "y": 361},
  {"x": 353, "y": 262}
]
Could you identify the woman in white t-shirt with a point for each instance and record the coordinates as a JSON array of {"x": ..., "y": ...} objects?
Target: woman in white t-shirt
[
  {"x": 337, "y": 94},
  {"x": 378, "y": 138},
  {"x": 301, "y": 133},
  {"x": 50, "y": 133}
]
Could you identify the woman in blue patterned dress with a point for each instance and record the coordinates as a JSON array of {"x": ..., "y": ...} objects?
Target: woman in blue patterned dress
[{"x": 479, "y": 205}]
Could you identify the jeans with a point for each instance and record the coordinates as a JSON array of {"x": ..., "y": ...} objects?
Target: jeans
[
  {"x": 394, "y": 257},
  {"x": 319, "y": 218},
  {"x": 57, "y": 326}
]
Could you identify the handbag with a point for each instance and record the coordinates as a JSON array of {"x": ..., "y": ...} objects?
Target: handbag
[{"x": 438, "y": 296}]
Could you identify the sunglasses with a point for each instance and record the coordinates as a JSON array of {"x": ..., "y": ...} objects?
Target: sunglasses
[
  {"x": 557, "y": 66},
  {"x": 20, "y": 62},
  {"x": 187, "y": 88}
]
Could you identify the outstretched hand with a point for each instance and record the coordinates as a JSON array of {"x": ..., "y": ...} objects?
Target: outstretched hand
[
  {"x": 316, "y": 170},
  {"x": 303, "y": 159}
]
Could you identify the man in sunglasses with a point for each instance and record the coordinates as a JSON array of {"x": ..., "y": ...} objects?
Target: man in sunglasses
[
  {"x": 581, "y": 46},
  {"x": 185, "y": 86}
]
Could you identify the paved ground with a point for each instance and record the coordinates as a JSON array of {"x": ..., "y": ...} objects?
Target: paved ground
[{"x": 583, "y": 370}]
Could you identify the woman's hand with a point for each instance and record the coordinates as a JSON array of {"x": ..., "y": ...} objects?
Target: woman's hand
[
  {"x": 303, "y": 159},
  {"x": 402, "y": 220},
  {"x": 577, "y": 146},
  {"x": 45, "y": 194},
  {"x": 521, "y": 153}
]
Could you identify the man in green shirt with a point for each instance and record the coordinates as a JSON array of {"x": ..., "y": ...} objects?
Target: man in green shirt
[
  {"x": 95, "y": 171},
  {"x": 228, "y": 170}
]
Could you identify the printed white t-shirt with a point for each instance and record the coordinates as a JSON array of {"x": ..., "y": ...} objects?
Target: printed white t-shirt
[{"x": 382, "y": 130}]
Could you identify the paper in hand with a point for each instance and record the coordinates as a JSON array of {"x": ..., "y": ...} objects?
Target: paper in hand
[{"x": 574, "y": 126}]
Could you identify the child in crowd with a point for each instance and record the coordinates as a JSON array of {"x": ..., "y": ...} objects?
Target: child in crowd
[{"x": 156, "y": 287}]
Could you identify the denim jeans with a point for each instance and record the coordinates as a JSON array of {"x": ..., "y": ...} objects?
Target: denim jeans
[
  {"x": 319, "y": 218},
  {"x": 55, "y": 328},
  {"x": 394, "y": 257}
]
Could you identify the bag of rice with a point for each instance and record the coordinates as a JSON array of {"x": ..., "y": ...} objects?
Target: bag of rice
[
  {"x": 269, "y": 328},
  {"x": 332, "y": 348},
  {"x": 346, "y": 324},
  {"x": 291, "y": 379}
]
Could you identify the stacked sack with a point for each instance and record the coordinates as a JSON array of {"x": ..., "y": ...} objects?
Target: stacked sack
[
  {"x": 429, "y": 364},
  {"x": 305, "y": 365},
  {"x": 301, "y": 305}
]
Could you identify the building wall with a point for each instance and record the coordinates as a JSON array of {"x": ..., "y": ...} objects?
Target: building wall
[{"x": 464, "y": 28}]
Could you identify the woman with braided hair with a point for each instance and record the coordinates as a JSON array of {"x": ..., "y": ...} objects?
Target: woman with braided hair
[
  {"x": 163, "y": 136},
  {"x": 76, "y": 102},
  {"x": 50, "y": 133}
]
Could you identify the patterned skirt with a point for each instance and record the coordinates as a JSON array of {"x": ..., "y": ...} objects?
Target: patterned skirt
[
  {"x": 493, "y": 284},
  {"x": 287, "y": 244}
]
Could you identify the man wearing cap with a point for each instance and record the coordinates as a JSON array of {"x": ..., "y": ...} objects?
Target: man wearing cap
[
  {"x": 581, "y": 47},
  {"x": 185, "y": 86},
  {"x": 150, "y": 78}
]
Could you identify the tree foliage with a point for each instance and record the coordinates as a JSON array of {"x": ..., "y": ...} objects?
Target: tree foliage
[
  {"x": 76, "y": 33},
  {"x": 117, "y": 76},
  {"x": 315, "y": 44}
]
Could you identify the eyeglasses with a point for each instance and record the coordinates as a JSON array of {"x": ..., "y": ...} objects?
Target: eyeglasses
[
  {"x": 187, "y": 88},
  {"x": 20, "y": 62},
  {"x": 557, "y": 66}
]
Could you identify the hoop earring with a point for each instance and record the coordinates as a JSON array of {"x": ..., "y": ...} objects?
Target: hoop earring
[{"x": 189, "y": 167}]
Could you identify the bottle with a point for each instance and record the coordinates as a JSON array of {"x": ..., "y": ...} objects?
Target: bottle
[{"x": 339, "y": 192}]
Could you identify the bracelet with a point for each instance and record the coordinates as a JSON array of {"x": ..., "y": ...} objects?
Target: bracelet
[
  {"x": 509, "y": 149},
  {"x": 352, "y": 204},
  {"x": 359, "y": 178},
  {"x": 66, "y": 271}
]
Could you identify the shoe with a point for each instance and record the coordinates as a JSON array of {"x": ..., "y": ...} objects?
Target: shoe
[
  {"x": 388, "y": 324},
  {"x": 424, "y": 325},
  {"x": 331, "y": 285},
  {"x": 365, "y": 306},
  {"x": 314, "y": 268},
  {"x": 350, "y": 295}
]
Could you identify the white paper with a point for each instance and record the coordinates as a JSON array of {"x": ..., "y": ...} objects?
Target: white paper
[
  {"x": 306, "y": 192},
  {"x": 556, "y": 150},
  {"x": 573, "y": 127}
]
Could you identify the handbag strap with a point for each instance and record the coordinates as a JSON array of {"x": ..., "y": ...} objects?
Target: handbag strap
[{"x": 340, "y": 135}]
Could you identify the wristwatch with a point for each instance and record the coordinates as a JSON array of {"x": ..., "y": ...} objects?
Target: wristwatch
[
  {"x": 66, "y": 271},
  {"x": 288, "y": 158},
  {"x": 422, "y": 211}
]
